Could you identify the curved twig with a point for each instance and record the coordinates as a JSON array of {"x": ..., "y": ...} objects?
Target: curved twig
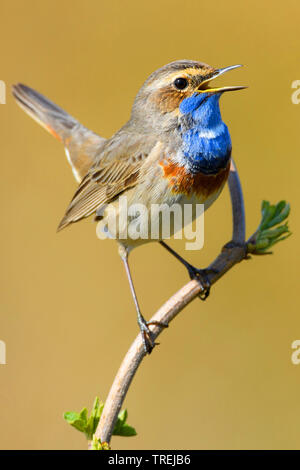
[{"x": 231, "y": 254}]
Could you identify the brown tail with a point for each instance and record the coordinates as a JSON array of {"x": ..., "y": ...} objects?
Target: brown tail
[{"x": 80, "y": 143}]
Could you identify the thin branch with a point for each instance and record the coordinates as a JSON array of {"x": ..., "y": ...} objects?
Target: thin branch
[
  {"x": 238, "y": 208},
  {"x": 231, "y": 254}
]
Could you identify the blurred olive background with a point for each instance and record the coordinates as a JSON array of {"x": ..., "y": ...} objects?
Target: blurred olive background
[{"x": 222, "y": 376}]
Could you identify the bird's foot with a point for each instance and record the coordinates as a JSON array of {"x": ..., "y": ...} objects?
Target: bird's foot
[
  {"x": 148, "y": 341},
  {"x": 201, "y": 275}
]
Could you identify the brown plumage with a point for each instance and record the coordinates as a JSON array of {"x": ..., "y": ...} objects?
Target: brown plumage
[
  {"x": 81, "y": 144},
  {"x": 199, "y": 184}
]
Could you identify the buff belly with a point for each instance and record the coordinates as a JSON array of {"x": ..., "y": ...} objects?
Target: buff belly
[{"x": 135, "y": 217}]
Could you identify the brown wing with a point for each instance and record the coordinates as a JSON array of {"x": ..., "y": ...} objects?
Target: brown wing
[{"x": 117, "y": 169}]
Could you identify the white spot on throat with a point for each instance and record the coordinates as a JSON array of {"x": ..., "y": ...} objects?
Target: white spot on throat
[{"x": 212, "y": 133}]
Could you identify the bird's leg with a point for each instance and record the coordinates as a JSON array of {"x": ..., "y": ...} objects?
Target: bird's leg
[
  {"x": 201, "y": 275},
  {"x": 143, "y": 324}
]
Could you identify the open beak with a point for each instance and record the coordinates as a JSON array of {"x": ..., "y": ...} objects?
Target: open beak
[{"x": 205, "y": 88}]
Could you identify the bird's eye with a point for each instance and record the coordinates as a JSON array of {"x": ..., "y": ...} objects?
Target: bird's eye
[{"x": 181, "y": 83}]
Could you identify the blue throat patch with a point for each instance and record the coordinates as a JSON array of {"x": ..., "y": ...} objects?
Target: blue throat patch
[{"x": 206, "y": 139}]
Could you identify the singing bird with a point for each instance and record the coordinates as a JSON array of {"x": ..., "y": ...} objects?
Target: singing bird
[{"x": 175, "y": 148}]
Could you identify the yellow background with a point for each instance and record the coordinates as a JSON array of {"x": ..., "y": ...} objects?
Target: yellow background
[{"x": 222, "y": 376}]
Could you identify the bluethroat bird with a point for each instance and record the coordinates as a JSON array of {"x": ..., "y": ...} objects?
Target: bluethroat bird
[{"x": 175, "y": 148}]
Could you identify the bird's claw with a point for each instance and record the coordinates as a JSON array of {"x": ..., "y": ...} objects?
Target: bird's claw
[
  {"x": 201, "y": 275},
  {"x": 149, "y": 344}
]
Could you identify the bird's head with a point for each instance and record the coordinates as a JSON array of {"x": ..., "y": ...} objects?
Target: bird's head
[{"x": 177, "y": 88}]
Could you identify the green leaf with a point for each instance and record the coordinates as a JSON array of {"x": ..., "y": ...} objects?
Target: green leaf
[
  {"x": 126, "y": 431},
  {"x": 88, "y": 424},
  {"x": 282, "y": 211},
  {"x": 268, "y": 213},
  {"x": 267, "y": 233},
  {"x": 273, "y": 242},
  {"x": 93, "y": 420},
  {"x": 121, "y": 428},
  {"x": 75, "y": 420},
  {"x": 71, "y": 416},
  {"x": 83, "y": 415},
  {"x": 123, "y": 416}
]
